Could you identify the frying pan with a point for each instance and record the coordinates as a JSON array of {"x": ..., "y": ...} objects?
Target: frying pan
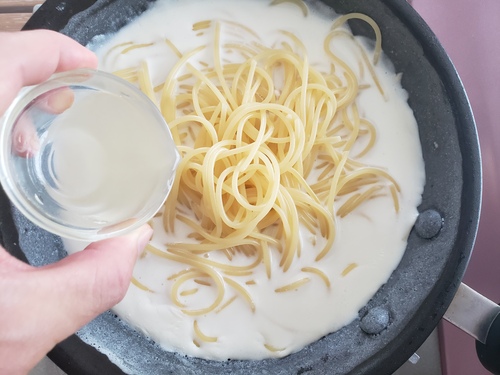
[{"x": 418, "y": 292}]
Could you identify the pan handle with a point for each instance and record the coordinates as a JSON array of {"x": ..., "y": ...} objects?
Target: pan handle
[
  {"x": 480, "y": 318},
  {"x": 489, "y": 352}
]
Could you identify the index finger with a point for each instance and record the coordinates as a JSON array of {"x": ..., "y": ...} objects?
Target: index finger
[{"x": 31, "y": 57}]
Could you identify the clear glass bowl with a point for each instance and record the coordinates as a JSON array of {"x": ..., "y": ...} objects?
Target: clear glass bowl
[{"x": 86, "y": 155}]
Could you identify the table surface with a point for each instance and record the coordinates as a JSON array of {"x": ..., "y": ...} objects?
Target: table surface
[{"x": 15, "y": 13}]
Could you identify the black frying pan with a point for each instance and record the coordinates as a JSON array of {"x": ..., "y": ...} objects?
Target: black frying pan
[{"x": 420, "y": 289}]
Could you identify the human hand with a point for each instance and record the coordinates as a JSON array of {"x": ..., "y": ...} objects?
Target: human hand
[{"x": 40, "y": 307}]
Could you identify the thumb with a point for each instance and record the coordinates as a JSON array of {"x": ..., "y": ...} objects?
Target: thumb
[{"x": 89, "y": 282}]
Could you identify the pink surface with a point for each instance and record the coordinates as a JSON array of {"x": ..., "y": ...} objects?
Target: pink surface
[{"x": 469, "y": 32}]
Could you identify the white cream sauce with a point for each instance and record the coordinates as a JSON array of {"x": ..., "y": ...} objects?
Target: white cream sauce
[{"x": 374, "y": 236}]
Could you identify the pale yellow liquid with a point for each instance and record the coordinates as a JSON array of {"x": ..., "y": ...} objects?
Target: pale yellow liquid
[{"x": 104, "y": 159}]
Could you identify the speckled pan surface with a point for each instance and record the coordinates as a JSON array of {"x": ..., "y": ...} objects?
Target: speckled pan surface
[{"x": 420, "y": 289}]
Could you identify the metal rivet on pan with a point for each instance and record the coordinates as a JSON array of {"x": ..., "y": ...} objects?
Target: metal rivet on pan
[
  {"x": 414, "y": 359},
  {"x": 429, "y": 224},
  {"x": 375, "y": 321}
]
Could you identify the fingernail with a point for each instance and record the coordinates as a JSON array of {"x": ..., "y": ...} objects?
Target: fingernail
[
  {"x": 26, "y": 144},
  {"x": 60, "y": 100},
  {"x": 143, "y": 238}
]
